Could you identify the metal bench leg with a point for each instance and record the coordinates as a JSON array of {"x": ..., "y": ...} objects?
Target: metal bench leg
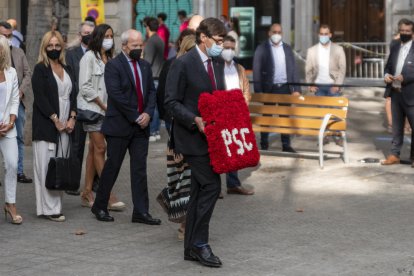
[
  {"x": 321, "y": 149},
  {"x": 345, "y": 154}
]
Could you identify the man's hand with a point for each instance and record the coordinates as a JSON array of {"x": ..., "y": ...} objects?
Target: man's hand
[
  {"x": 143, "y": 120},
  {"x": 199, "y": 123},
  {"x": 70, "y": 125},
  {"x": 334, "y": 89},
  {"x": 296, "y": 93},
  {"x": 313, "y": 89},
  {"x": 388, "y": 78},
  {"x": 59, "y": 125}
]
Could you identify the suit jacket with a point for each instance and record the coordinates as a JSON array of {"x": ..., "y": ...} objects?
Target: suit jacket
[
  {"x": 407, "y": 86},
  {"x": 337, "y": 64},
  {"x": 12, "y": 99},
  {"x": 24, "y": 74},
  {"x": 186, "y": 80},
  {"x": 46, "y": 102},
  {"x": 264, "y": 68},
  {"x": 122, "y": 112},
  {"x": 73, "y": 57}
]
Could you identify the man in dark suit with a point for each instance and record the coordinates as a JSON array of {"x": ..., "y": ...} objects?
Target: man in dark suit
[
  {"x": 196, "y": 72},
  {"x": 274, "y": 67},
  {"x": 73, "y": 57},
  {"x": 131, "y": 103},
  {"x": 399, "y": 77}
]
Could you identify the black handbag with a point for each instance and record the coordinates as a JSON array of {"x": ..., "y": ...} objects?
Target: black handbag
[
  {"x": 88, "y": 116},
  {"x": 63, "y": 173}
]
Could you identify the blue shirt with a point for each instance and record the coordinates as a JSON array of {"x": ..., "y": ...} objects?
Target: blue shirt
[{"x": 279, "y": 62}]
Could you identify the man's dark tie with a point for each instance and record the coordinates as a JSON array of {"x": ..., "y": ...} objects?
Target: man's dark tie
[
  {"x": 211, "y": 74},
  {"x": 138, "y": 85}
]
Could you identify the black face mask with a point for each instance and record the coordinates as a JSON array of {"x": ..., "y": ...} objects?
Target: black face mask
[
  {"x": 135, "y": 54},
  {"x": 405, "y": 37},
  {"x": 53, "y": 54},
  {"x": 86, "y": 39}
]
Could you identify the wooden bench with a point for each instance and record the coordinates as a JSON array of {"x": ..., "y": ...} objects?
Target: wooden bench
[{"x": 302, "y": 115}]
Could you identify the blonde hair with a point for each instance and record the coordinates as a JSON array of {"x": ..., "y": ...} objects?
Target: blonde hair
[
  {"x": 188, "y": 42},
  {"x": 5, "y": 62},
  {"x": 45, "y": 41}
]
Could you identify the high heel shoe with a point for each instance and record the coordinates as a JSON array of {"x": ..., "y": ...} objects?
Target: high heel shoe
[
  {"x": 86, "y": 201},
  {"x": 14, "y": 220}
]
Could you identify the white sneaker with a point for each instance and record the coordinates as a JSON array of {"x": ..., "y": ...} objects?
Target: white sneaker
[
  {"x": 152, "y": 138},
  {"x": 158, "y": 136}
]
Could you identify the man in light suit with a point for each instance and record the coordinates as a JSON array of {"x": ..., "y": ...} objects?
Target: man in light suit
[
  {"x": 273, "y": 68},
  {"x": 73, "y": 57},
  {"x": 131, "y": 103},
  {"x": 199, "y": 70},
  {"x": 24, "y": 75},
  {"x": 399, "y": 77},
  {"x": 326, "y": 66}
]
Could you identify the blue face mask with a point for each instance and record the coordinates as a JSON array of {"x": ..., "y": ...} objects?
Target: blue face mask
[
  {"x": 324, "y": 39},
  {"x": 214, "y": 51}
]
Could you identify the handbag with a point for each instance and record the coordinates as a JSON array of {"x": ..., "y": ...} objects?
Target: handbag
[
  {"x": 175, "y": 196},
  {"x": 88, "y": 116},
  {"x": 63, "y": 173}
]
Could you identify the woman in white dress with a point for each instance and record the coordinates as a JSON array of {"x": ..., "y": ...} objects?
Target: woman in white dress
[
  {"x": 9, "y": 106},
  {"x": 54, "y": 115}
]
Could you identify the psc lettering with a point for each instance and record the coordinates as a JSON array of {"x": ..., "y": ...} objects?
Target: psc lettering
[{"x": 231, "y": 137}]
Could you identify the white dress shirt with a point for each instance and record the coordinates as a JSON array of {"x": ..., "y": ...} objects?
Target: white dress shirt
[
  {"x": 279, "y": 61},
  {"x": 130, "y": 61},
  {"x": 402, "y": 55},
  {"x": 231, "y": 76},
  {"x": 324, "y": 54},
  {"x": 204, "y": 59}
]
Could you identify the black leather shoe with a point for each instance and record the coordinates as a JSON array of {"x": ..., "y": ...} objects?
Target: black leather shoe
[
  {"x": 288, "y": 149},
  {"x": 22, "y": 178},
  {"x": 264, "y": 147},
  {"x": 145, "y": 218},
  {"x": 101, "y": 215},
  {"x": 187, "y": 255},
  {"x": 95, "y": 184},
  {"x": 74, "y": 193},
  {"x": 205, "y": 256}
]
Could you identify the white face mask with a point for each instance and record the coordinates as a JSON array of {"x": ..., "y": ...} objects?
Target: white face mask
[
  {"x": 276, "y": 38},
  {"x": 107, "y": 43},
  {"x": 228, "y": 54}
]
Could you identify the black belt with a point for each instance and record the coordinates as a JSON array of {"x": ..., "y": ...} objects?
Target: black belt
[{"x": 278, "y": 85}]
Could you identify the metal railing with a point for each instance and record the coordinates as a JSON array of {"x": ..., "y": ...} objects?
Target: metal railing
[{"x": 365, "y": 60}]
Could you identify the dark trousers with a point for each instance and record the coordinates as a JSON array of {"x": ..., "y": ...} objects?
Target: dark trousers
[
  {"x": 205, "y": 189},
  {"x": 400, "y": 110},
  {"x": 78, "y": 142},
  {"x": 137, "y": 145},
  {"x": 264, "y": 136},
  {"x": 232, "y": 180}
]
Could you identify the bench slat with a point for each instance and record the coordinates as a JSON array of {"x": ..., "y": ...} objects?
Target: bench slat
[
  {"x": 305, "y": 132},
  {"x": 296, "y": 111},
  {"x": 297, "y": 123},
  {"x": 303, "y": 100}
]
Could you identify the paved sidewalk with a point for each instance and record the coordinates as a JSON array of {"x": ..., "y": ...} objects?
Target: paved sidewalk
[{"x": 354, "y": 219}]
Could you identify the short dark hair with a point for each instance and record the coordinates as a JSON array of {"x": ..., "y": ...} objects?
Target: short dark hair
[
  {"x": 236, "y": 25},
  {"x": 229, "y": 38},
  {"x": 210, "y": 27},
  {"x": 98, "y": 35},
  {"x": 182, "y": 13},
  {"x": 90, "y": 19},
  {"x": 152, "y": 24},
  {"x": 325, "y": 26},
  {"x": 162, "y": 15},
  {"x": 407, "y": 22},
  {"x": 5, "y": 25}
]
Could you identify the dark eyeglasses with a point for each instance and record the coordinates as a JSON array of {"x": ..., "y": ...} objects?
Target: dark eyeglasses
[{"x": 219, "y": 42}]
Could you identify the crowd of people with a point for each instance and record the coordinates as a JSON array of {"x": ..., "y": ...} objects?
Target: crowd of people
[{"x": 119, "y": 100}]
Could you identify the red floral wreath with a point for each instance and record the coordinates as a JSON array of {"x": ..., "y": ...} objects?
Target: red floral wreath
[{"x": 231, "y": 140}]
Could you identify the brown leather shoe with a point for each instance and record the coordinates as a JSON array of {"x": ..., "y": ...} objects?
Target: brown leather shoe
[
  {"x": 391, "y": 160},
  {"x": 240, "y": 191}
]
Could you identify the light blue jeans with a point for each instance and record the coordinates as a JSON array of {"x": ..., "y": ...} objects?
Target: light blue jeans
[{"x": 20, "y": 121}]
